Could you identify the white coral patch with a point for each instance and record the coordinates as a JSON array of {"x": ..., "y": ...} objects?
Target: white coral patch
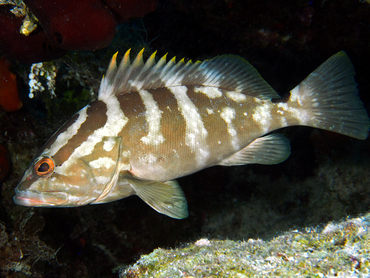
[{"x": 203, "y": 242}]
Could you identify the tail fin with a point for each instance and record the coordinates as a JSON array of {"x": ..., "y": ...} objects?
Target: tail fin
[{"x": 329, "y": 95}]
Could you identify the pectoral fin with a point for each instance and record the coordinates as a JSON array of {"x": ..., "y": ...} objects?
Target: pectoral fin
[
  {"x": 270, "y": 149},
  {"x": 165, "y": 197}
]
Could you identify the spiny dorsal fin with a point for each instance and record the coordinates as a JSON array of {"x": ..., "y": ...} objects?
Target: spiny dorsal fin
[{"x": 228, "y": 72}]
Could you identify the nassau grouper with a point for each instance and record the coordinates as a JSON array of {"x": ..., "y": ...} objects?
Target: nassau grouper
[{"x": 154, "y": 122}]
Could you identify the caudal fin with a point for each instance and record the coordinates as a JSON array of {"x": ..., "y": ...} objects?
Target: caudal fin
[{"x": 329, "y": 95}]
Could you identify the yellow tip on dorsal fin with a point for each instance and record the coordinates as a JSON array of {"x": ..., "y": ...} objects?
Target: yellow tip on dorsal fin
[
  {"x": 162, "y": 61},
  {"x": 139, "y": 59},
  {"x": 182, "y": 61},
  {"x": 153, "y": 55},
  {"x": 151, "y": 61},
  {"x": 113, "y": 62},
  {"x": 126, "y": 57}
]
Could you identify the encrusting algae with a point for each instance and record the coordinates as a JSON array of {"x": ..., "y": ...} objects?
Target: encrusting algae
[{"x": 339, "y": 250}]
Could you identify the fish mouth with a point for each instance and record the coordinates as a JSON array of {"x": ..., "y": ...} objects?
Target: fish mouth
[{"x": 40, "y": 199}]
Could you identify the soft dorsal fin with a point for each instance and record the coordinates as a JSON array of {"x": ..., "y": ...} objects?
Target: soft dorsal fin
[{"x": 228, "y": 72}]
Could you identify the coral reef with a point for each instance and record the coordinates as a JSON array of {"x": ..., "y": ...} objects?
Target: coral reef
[
  {"x": 4, "y": 162},
  {"x": 35, "y": 47},
  {"x": 339, "y": 250},
  {"x": 82, "y": 25},
  {"x": 21, "y": 248},
  {"x": 38, "y": 30},
  {"x": 9, "y": 96},
  {"x": 38, "y": 71}
]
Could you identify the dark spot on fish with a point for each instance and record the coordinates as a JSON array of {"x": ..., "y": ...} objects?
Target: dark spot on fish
[{"x": 283, "y": 99}]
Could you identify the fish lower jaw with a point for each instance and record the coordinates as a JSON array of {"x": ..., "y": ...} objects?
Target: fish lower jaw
[{"x": 28, "y": 200}]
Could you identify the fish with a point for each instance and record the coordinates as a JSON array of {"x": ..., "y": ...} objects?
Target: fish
[{"x": 156, "y": 121}]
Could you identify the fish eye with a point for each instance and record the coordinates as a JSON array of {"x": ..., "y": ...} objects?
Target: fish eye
[{"x": 44, "y": 167}]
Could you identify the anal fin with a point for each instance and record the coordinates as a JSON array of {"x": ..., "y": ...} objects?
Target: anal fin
[
  {"x": 165, "y": 197},
  {"x": 270, "y": 149}
]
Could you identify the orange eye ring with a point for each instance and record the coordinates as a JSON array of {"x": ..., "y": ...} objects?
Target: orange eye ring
[{"x": 44, "y": 167}]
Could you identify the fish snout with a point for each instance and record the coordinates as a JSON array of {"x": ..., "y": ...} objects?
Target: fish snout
[{"x": 31, "y": 198}]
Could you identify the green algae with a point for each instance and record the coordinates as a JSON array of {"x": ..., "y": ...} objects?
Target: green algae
[{"x": 339, "y": 250}]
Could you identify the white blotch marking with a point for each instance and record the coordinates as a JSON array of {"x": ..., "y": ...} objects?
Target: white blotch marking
[
  {"x": 259, "y": 100},
  {"x": 228, "y": 115},
  {"x": 102, "y": 162},
  {"x": 295, "y": 96},
  {"x": 125, "y": 167},
  {"x": 153, "y": 117},
  {"x": 210, "y": 111},
  {"x": 63, "y": 138},
  {"x": 109, "y": 144},
  {"x": 211, "y": 92},
  {"x": 236, "y": 96},
  {"x": 116, "y": 120},
  {"x": 283, "y": 121},
  {"x": 148, "y": 158},
  {"x": 262, "y": 115},
  {"x": 196, "y": 134},
  {"x": 102, "y": 179},
  {"x": 283, "y": 106},
  {"x": 176, "y": 153},
  {"x": 298, "y": 113}
]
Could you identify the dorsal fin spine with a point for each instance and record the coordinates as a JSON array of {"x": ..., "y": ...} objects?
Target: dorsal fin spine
[
  {"x": 123, "y": 72},
  {"x": 148, "y": 69},
  {"x": 228, "y": 72}
]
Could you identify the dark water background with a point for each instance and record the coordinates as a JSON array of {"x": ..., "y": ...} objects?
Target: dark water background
[{"x": 326, "y": 177}]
